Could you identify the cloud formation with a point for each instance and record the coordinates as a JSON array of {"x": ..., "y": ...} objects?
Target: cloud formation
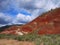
[
  {"x": 22, "y": 18},
  {"x": 4, "y": 19},
  {"x": 23, "y": 11}
]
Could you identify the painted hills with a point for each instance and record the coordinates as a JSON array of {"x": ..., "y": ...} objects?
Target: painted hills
[{"x": 47, "y": 23}]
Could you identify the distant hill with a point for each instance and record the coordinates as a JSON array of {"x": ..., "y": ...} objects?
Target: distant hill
[
  {"x": 8, "y": 26},
  {"x": 47, "y": 23}
]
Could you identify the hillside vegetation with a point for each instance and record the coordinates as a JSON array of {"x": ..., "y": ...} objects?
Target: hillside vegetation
[{"x": 37, "y": 39}]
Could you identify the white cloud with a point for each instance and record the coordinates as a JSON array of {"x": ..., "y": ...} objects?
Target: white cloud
[
  {"x": 35, "y": 7},
  {"x": 30, "y": 5},
  {"x": 5, "y": 5},
  {"x": 22, "y": 18},
  {"x": 1, "y": 25},
  {"x": 39, "y": 3},
  {"x": 50, "y": 5},
  {"x": 4, "y": 19}
]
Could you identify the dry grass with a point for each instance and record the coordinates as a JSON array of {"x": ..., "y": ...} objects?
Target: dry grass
[
  {"x": 14, "y": 42},
  {"x": 31, "y": 39}
]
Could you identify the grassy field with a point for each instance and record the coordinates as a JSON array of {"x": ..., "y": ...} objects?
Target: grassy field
[{"x": 37, "y": 39}]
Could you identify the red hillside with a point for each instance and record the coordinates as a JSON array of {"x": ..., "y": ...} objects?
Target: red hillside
[{"x": 47, "y": 23}]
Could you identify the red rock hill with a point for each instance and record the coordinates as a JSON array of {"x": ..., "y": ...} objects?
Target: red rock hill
[{"x": 47, "y": 23}]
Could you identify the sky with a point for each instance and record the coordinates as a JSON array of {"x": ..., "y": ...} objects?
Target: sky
[{"x": 24, "y": 11}]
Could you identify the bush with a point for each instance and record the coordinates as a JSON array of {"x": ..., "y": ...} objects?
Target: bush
[{"x": 46, "y": 39}]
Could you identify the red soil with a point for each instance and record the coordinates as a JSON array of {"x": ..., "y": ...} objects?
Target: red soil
[{"x": 47, "y": 23}]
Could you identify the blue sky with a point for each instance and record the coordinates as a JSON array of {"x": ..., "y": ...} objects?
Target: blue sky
[{"x": 24, "y": 11}]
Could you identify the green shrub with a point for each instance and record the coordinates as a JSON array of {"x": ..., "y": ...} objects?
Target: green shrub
[{"x": 46, "y": 39}]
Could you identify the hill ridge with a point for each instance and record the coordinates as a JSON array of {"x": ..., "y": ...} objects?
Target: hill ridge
[{"x": 47, "y": 23}]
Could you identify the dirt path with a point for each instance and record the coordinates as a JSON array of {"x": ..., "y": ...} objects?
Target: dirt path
[{"x": 14, "y": 42}]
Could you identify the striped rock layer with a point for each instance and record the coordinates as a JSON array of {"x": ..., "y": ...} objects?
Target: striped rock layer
[{"x": 47, "y": 23}]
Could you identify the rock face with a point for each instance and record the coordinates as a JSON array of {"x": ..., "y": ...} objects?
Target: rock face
[{"x": 47, "y": 23}]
